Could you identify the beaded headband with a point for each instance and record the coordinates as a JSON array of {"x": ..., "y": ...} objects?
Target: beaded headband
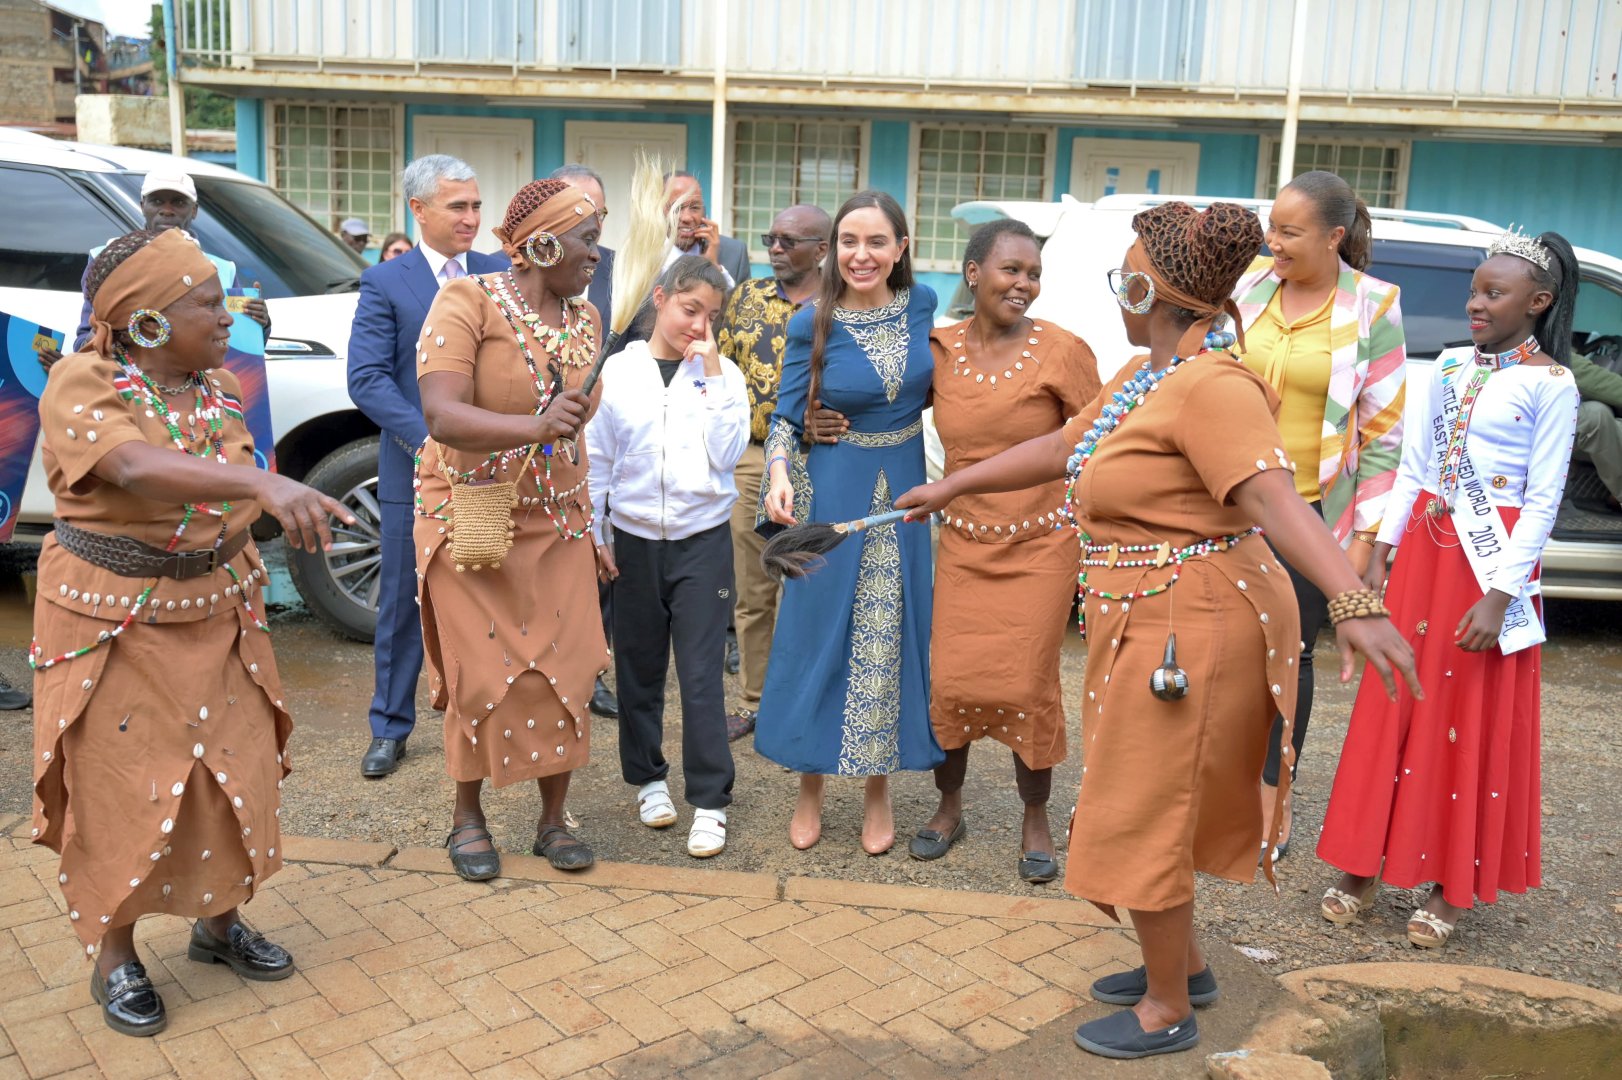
[{"x": 1516, "y": 243}]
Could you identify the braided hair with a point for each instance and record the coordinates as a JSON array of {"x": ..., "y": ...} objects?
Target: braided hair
[
  {"x": 112, "y": 257},
  {"x": 529, "y": 197},
  {"x": 1200, "y": 253},
  {"x": 1553, "y": 325},
  {"x": 984, "y": 238}
]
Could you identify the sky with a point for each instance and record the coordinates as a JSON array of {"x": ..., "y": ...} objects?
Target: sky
[{"x": 129, "y": 18}]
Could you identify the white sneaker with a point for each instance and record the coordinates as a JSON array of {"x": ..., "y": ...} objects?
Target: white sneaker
[
  {"x": 654, "y": 807},
  {"x": 708, "y": 835}
]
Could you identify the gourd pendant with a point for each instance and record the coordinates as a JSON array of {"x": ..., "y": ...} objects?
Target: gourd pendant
[{"x": 1168, "y": 682}]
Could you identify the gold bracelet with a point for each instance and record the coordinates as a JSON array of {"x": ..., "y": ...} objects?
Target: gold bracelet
[
  {"x": 1367, "y": 536},
  {"x": 1357, "y": 604}
]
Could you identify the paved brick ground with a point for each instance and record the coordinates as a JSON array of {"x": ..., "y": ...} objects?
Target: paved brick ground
[{"x": 628, "y": 971}]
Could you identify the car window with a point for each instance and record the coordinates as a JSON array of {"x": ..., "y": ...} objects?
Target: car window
[
  {"x": 1596, "y": 330},
  {"x": 53, "y": 223},
  {"x": 270, "y": 240},
  {"x": 1435, "y": 284}
]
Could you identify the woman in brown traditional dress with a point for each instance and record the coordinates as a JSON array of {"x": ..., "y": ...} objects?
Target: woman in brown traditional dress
[
  {"x": 1004, "y": 567},
  {"x": 160, "y": 738},
  {"x": 1168, "y": 502},
  {"x": 513, "y": 638}
]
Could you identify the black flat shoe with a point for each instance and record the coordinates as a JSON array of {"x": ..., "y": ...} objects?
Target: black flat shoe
[
  {"x": 14, "y": 697},
  {"x": 603, "y": 703},
  {"x": 929, "y": 845},
  {"x": 244, "y": 949},
  {"x": 382, "y": 758},
  {"x": 562, "y": 849},
  {"x": 473, "y": 865},
  {"x": 1037, "y": 867},
  {"x": 128, "y": 1002},
  {"x": 734, "y": 662},
  {"x": 1129, "y": 987},
  {"x": 1121, "y": 1036}
]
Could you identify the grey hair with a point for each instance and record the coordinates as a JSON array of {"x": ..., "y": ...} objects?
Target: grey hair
[
  {"x": 575, "y": 170},
  {"x": 422, "y": 177}
]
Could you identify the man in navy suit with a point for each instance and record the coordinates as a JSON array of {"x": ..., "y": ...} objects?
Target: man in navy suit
[{"x": 394, "y": 300}]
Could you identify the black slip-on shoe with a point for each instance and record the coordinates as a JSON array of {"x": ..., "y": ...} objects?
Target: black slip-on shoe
[
  {"x": 382, "y": 758},
  {"x": 14, "y": 697},
  {"x": 128, "y": 1002},
  {"x": 1119, "y": 1035},
  {"x": 244, "y": 949},
  {"x": 603, "y": 703},
  {"x": 1037, "y": 868},
  {"x": 929, "y": 845},
  {"x": 1128, "y": 987}
]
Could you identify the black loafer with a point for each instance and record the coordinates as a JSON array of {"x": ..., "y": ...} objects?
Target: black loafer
[
  {"x": 382, "y": 758},
  {"x": 13, "y": 697},
  {"x": 128, "y": 1002},
  {"x": 562, "y": 849},
  {"x": 929, "y": 845},
  {"x": 244, "y": 949},
  {"x": 473, "y": 865},
  {"x": 1129, "y": 987},
  {"x": 603, "y": 702},
  {"x": 1037, "y": 867},
  {"x": 1121, "y": 1036}
]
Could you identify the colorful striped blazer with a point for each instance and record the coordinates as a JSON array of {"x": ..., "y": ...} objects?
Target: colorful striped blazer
[{"x": 1362, "y": 426}]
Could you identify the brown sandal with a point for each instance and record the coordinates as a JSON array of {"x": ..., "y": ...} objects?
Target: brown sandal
[{"x": 558, "y": 846}]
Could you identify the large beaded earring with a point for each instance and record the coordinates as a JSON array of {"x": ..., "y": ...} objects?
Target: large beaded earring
[
  {"x": 134, "y": 328},
  {"x": 543, "y": 250}
]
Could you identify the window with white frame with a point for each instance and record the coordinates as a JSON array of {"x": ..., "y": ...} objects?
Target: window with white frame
[
  {"x": 779, "y": 162},
  {"x": 959, "y": 164},
  {"x": 336, "y": 161},
  {"x": 1376, "y": 169}
]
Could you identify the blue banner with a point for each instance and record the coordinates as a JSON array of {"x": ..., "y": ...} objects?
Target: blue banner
[{"x": 22, "y": 381}]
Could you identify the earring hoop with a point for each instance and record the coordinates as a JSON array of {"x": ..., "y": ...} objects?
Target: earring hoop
[
  {"x": 1122, "y": 282},
  {"x": 134, "y": 328},
  {"x": 547, "y": 243}
]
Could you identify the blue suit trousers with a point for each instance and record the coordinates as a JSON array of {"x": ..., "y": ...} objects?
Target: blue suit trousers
[{"x": 397, "y": 649}]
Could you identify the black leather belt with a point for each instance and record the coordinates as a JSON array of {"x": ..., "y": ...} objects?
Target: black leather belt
[{"x": 128, "y": 557}]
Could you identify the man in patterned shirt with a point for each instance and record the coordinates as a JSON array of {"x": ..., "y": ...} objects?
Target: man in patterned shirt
[{"x": 754, "y": 327}]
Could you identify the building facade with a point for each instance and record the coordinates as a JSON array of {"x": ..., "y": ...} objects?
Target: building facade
[
  {"x": 53, "y": 55},
  {"x": 1509, "y": 110}
]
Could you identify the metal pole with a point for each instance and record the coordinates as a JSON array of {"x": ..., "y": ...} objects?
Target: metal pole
[
  {"x": 1292, "y": 99},
  {"x": 719, "y": 188},
  {"x": 177, "y": 95}
]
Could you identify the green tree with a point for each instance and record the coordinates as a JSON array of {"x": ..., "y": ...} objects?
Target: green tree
[{"x": 204, "y": 108}]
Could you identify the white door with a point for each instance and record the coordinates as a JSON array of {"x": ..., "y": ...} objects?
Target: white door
[
  {"x": 1100, "y": 167},
  {"x": 501, "y": 151},
  {"x": 611, "y": 149}
]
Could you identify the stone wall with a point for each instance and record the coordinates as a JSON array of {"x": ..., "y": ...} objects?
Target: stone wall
[{"x": 27, "y": 91}]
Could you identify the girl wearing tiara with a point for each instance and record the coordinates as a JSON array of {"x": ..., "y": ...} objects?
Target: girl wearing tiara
[{"x": 1446, "y": 789}]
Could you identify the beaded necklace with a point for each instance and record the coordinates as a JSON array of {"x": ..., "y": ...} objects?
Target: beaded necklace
[
  {"x": 210, "y": 410},
  {"x": 962, "y": 366},
  {"x": 1132, "y": 395},
  {"x": 1447, "y": 483}
]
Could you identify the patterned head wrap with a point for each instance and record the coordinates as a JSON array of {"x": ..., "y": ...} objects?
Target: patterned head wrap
[
  {"x": 541, "y": 206},
  {"x": 163, "y": 271},
  {"x": 1195, "y": 259}
]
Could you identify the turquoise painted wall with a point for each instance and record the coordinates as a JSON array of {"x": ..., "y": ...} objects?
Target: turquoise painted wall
[
  {"x": 251, "y": 137},
  {"x": 1570, "y": 189},
  {"x": 1227, "y": 162}
]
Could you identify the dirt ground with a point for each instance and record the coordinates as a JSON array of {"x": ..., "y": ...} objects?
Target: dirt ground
[{"x": 1569, "y": 929}]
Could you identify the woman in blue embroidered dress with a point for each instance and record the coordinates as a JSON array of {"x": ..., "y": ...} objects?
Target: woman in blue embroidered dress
[{"x": 847, "y": 687}]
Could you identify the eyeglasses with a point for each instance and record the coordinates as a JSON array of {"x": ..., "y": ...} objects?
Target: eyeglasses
[
  {"x": 788, "y": 243},
  {"x": 1123, "y": 282}
]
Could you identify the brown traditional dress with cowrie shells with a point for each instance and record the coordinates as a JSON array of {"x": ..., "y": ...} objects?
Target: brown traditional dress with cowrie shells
[
  {"x": 512, "y": 652},
  {"x": 159, "y": 754},
  {"x": 1005, "y": 574},
  {"x": 1169, "y": 787}
]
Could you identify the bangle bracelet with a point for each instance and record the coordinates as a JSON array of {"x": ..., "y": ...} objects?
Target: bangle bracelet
[
  {"x": 1367, "y": 536},
  {"x": 775, "y": 458},
  {"x": 1357, "y": 604}
]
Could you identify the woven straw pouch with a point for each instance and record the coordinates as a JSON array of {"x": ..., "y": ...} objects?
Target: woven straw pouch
[{"x": 481, "y": 523}]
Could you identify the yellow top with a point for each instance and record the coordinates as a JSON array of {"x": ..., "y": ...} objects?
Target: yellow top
[{"x": 1294, "y": 359}]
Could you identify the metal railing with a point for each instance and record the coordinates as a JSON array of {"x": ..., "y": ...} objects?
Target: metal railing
[{"x": 1450, "y": 50}]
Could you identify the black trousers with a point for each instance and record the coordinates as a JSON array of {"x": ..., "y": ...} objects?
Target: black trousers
[
  {"x": 1314, "y": 609},
  {"x": 674, "y": 592}
]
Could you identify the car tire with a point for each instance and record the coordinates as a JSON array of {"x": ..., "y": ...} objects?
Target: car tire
[{"x": 340, "y": 586}]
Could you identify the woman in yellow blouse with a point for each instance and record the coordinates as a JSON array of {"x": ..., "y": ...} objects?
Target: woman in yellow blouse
[{"x": 1328, "y": 338}]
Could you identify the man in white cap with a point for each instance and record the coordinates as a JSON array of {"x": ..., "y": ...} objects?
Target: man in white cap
[{"x": 356, "y": 233}]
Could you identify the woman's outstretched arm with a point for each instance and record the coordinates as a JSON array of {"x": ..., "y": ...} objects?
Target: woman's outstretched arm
[{"x": 1030, "y": 464}]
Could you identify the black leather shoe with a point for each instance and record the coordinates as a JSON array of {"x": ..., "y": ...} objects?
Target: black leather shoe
[
  {"x": 929, "y": 845},
  {"x": 603, "y": 702},
  {"x": 473, "y": 865},
  {"x": 244, "y": 949},
  {"x": 128, "y": 1003},
  {"x": 382, "y": 758},
  {"x": 13, "y": 697},
  {"x": 733, "y": 660}
]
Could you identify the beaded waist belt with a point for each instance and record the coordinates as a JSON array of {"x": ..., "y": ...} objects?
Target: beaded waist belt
[
  {"x": 129, "y": 557},
  {"x": 874, "y": 440},
  {"x": 555, "y": 498},
  {"x": 1110, "y": 555}
]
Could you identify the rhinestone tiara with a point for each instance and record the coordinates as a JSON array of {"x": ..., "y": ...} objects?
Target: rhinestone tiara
[{"x": 1516, "y": 243}]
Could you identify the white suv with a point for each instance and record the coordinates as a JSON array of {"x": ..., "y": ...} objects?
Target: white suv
[
  {"x": 66, "y": 198},
  {"x": 1430, "y": 256}
]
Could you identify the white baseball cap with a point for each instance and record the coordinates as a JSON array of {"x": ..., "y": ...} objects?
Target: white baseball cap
[
  {"x": 169, "y": 180},
  {"x": 354, "y": 227}
]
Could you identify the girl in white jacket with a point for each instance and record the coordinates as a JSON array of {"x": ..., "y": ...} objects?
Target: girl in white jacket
[{"x": 673, "y": 421}]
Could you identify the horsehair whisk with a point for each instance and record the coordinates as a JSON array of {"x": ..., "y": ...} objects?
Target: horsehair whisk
[{"x": 799, "y": 550}]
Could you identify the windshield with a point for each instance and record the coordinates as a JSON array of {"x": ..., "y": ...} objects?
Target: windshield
[
  {"x": 1435, "y": 284},
  {"x": 270, "y": 240}
]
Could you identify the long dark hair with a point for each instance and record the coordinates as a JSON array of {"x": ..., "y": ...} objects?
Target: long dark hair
[
  {"x": 1553, "y": 325},
  {"x": 833, "y": 285},
  {"x": 1338, "y": 205}
]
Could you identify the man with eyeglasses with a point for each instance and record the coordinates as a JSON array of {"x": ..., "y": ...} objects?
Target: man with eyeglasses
[
  {"x": 753, "y": 330},
  {"x": 696, "y": 234}
]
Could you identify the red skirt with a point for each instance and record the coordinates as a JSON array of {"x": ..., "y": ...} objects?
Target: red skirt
[{"x": 1447, "y": 789}]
